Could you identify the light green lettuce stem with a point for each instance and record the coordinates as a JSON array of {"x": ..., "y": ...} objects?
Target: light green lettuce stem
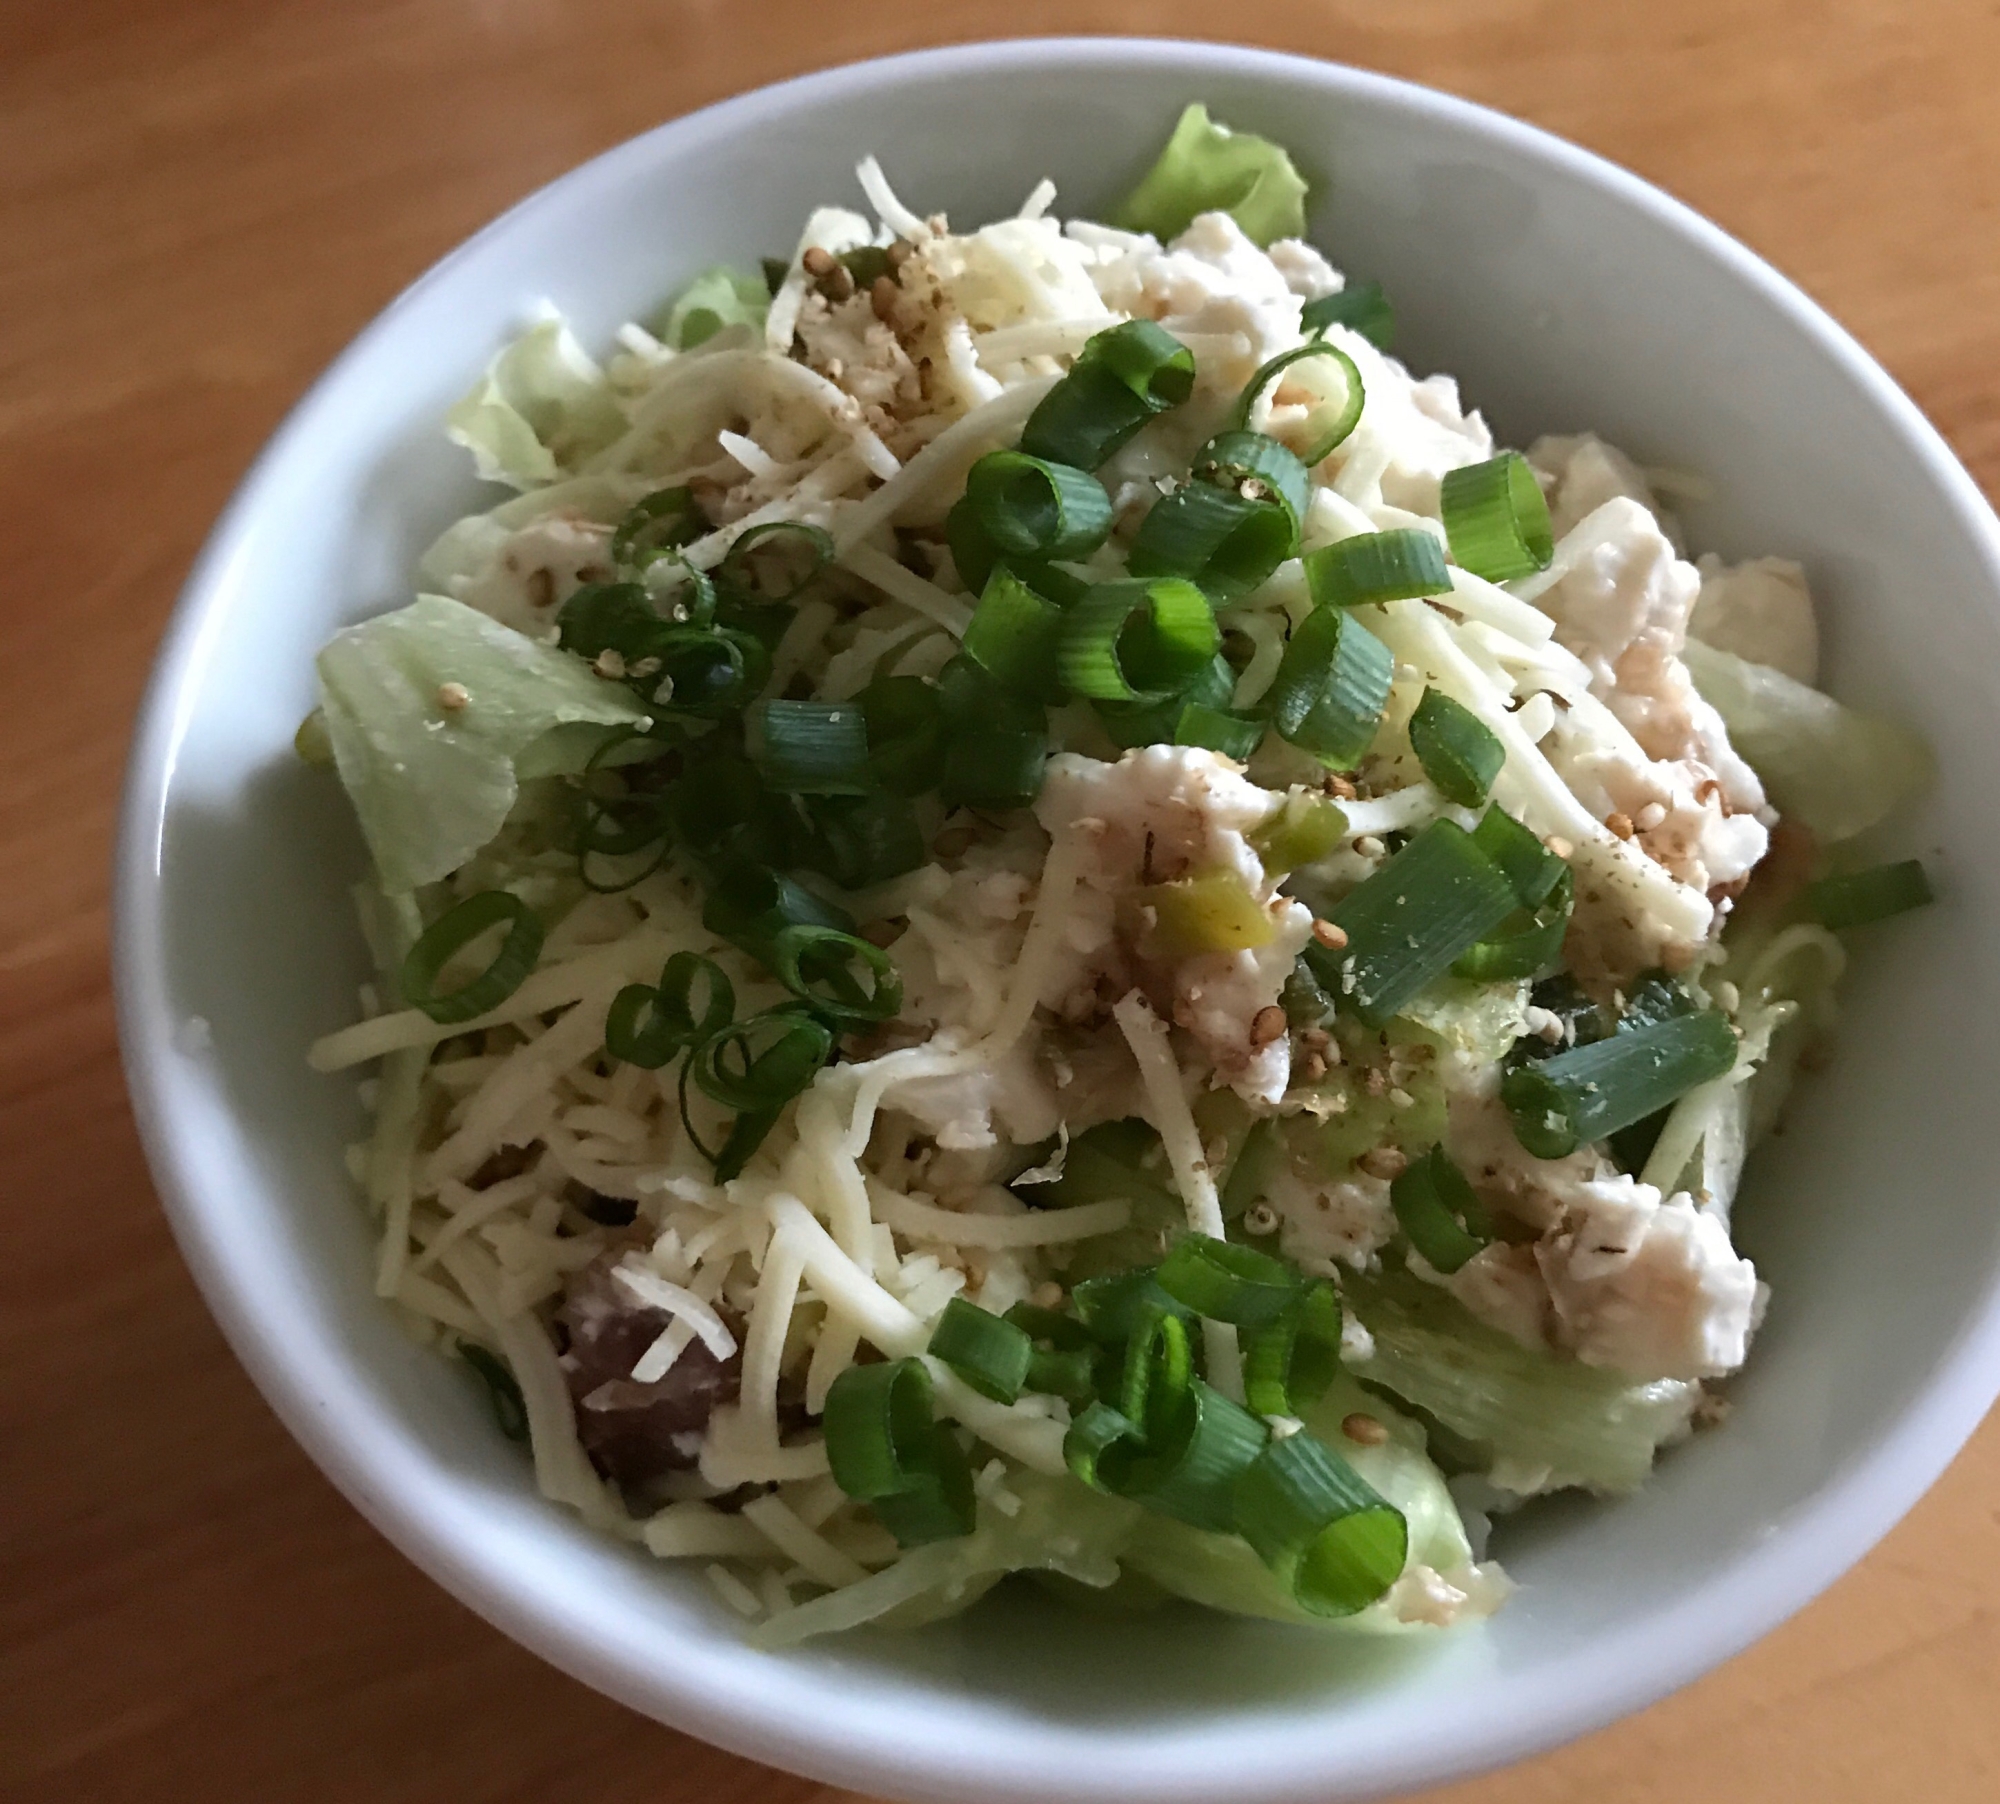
[
  {"x": 1829, "y": 767},
  {"x": 1571, "y": 1423}
]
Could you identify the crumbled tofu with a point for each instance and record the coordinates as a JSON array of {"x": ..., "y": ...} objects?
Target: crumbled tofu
[
  {"x": 1162, "y": 813},
  {"x": 1762, "y": 611},
  {"x": 535, "y": 569},
  {"x": 1649, "y": 1287}
]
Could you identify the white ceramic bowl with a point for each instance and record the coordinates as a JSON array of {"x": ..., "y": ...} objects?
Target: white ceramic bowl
[{"x": 1565, "y": 294}]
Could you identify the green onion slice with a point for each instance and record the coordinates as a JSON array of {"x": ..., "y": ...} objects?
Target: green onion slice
[
  {"x": 1219, "y": 729},
  {"x": 1228, "y": 1283},
  {"x": 840, "y": 974},
  {"x": 750, "y": 905},
  {"x": 1438, "y": 896},
  {"x": 1524, "y": 861},
  {"x": 813, "y": 748},
  {"x": 647, "y": 1026},
  {"x": 1496, "y": 518},
  {"x": 1120, "y": 380},
  {"x": 1091, "y": 1435},
  {"x": 878, "y": 1428},
  {"x": 1360, "y": 307},
  {"x": 973, "y": 554},
  {"x": 450, "y": 934},
  {"x": 1401, "y": 564},
  {"x": 1289, "y": 1363},
  {"x": 1327, "y": 425},
  {"x": 1327, "y": 696},
  {"x": 1459, "y": 751},
  {"x": 1013, "y": 632},
  {"x": 503, "y": 1395},
  {"x": 1113, "y": 1307},
  {"x": 1187, "y": 1468},
  {"x": 762, "y": 1063},
  {"x": 1320, "y": 1526},
  {"x": 1137, "y": 639},
  {"x": 790, "y": 551},
  {"x": 1030, "y": 507},
  {"x": 614, "y": 617},
  {"x": 1589, "y": 1092},
  {"x": 1527, "y": 944},
  {"x": 709, "y": 672},
  {"x": 1255, "y": 467},
  {"x": 989, "y": 1352},
  {"x": 905, "y": 733},
  {"x": 1214, "y": 537},
  {"x": 1439, "y": 1212},
  {"x": 657, "y": 526},
  {"x": 1063, "y": 1332},
  {"x": 941, "y": 1507},
  {"x": 1158, "y": 1368},
  {"x": 1859, "y": 898}
]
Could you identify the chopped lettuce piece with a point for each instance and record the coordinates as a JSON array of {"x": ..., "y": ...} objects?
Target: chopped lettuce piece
[
  {"x": 1061, "y": 1526},
  {"x": 716, "y": 298},
  {"x": 465, "y": 550},
  {"x": 1224, "y": 1572},
  {"x": 1830, "y": 768},
  {"x": 1207, "y": 168},
  {"x": 540, "y": 409},
  {"x": 432, "y": 782},
  {"x": 1540, "y": 1415}
]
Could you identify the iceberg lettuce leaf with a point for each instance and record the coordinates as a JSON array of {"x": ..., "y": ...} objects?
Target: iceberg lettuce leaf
[
  {"x": 431, "y": 784},
  {"x": 716, "y": 298},
  {"x": 1580, "y": 1424},
  {"x": 542, "y": 407},
  {"x": 1829, "y": 767},
  {"x": 1207, "y": 168}
]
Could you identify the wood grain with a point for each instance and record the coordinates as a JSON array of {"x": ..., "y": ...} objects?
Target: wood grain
[{"x": 200, "y": 201}]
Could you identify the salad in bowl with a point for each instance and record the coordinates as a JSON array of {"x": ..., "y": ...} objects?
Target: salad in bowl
[{"x": 1036, "y": 915}]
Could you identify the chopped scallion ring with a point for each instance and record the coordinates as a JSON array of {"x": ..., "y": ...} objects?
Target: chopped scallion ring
[
  {"x": 1228, "y": 1283},
  {"x": 791, "y": 548},
  {"x": 762, "y": 1063},
  {"x": 450, "y": 934},
  {"x": 1331, "y": 684},
  {"x": 1137, "y": 639},
  {"x": 1496, "y": 518},
  {"x": 1589, "y": 1092},
  {"x": 655, "y": 527},
  {"x": 1256, "y": 467},
  {"x": 1320, "y": 1526},
  {"x": 1405, "y": 925},
  {"x": 1120, "y": 380},
  {"x": 1459, "y": 751},
  {"x": 1214, "y": 537},
  {"x": 1860, "y": 898},
  {"x": 989, "y": 1352},
  {"x": 1360, "y": 307},
  {"x": 1012, "y": 636},
  {"x": 1403, "y": 563},
  {"x": 841, "y": 975},
  {"x": 649, "y": 1026},
  {"x": 1029, "y": 507},
  {"x": 1437, "y": 1210},
  {"x": 1327, "y": 425},
  {"x": 1289, "y": 1363},
  {"x": 813, "y": 748}
]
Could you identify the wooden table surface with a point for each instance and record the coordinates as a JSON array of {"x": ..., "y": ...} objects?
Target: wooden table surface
[{"x": 200, "y": 201}]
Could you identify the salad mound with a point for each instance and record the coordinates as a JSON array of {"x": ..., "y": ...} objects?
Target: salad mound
[{"x": 1035, "y": 915}]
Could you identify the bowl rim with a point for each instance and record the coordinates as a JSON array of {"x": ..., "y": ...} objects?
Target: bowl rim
[{"x": 1630, "y": 1667}]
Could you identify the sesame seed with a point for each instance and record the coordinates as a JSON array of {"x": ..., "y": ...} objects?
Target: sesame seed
[
  {"x": 1559, "y": 846},
  {"x": 609, "y": 663},
  {"x": 1260, "y": 1218},
  {"x": 453, "y": 696},
  {"x": 1649, "y": 817},
  {"x": 1330, "y": 936},
  {"x": 1619, "y": 825},
  {"x": 1384, "y": 1162},
  {"x": 1267, "y": 1024},
  {"x": 1364, "y": 1430},
  {"x": 819, "y": 262}
]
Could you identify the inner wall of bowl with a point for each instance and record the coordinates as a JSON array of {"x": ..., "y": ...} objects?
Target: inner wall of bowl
[{"x": 1561, "y": 305}]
